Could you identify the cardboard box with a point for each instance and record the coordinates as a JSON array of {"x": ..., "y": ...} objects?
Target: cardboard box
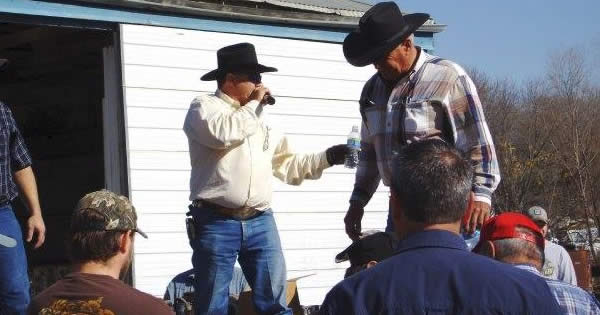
[{"x": 246, "y": 307}]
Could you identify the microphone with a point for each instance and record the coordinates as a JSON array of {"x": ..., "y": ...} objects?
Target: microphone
[{"x": 268, "y": 99}]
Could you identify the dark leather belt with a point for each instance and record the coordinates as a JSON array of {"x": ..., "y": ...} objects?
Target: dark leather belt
[{"x": 241, "y": 213}]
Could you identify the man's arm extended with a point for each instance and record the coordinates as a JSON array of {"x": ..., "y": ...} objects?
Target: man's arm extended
[{"x": 25, "y": 180}]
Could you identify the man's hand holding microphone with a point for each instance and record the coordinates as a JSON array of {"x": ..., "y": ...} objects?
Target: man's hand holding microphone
[{"x": 262, "y": 94}]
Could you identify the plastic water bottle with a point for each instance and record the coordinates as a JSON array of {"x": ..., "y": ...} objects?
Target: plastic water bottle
[
  {"x": 353, "y": 144},
  {"x": 471, "y": 239}
]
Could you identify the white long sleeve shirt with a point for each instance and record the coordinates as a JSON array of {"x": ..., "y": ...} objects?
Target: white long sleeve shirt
[{"x": 233, "y": 153}]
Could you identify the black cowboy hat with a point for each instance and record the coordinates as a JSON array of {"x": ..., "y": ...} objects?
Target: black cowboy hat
[
  {"x": 3, "y": 63},
  {"x": 237, "y": 58},
  {"x": 379, "y": 31}
]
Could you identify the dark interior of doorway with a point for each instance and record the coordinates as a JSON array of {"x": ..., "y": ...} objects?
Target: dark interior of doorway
[{"x": 54, "y": 87}]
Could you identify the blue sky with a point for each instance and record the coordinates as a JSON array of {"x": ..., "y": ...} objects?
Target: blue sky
[{"x": 509, "y": 38}]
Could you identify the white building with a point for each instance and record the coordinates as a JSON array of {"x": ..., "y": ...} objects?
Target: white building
[{"x": 101, "y": 88}]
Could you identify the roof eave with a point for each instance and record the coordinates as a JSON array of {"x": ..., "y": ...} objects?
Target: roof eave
[{"x": 193, "y": 8}]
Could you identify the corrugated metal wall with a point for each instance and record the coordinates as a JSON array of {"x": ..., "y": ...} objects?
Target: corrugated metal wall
[{"x": 317, "y": 94}]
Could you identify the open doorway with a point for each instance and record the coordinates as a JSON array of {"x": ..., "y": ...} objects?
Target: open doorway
[{"x": 55, "y": 85}]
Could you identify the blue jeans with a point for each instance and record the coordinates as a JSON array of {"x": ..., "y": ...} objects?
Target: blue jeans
[
  {"x": 255, "y": 244},
  {"x": 14, "y": 282}
]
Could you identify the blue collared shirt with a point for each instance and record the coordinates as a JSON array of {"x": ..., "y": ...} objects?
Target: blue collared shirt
[
  {"x": 13, "y": 154},
  {"x": 572, "y": 299},
  {"x": 434, "y": 273}
]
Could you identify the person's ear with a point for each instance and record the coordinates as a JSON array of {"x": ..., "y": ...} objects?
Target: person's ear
[
  {"x": 487, "y": 249},
  {"x": 125, "y": 241},
  {"x": 371, "y": 263}
]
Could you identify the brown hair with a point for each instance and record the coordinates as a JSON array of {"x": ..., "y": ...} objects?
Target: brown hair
[{"x": 85, "y": 246}]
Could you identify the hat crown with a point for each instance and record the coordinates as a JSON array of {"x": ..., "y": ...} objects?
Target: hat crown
[
  {"x": 506, "y": 225},
  {"x": 537, "y": 213},
  {"x": 235, "y": 56},
  {"x": 117, "y": 211},
  {"x": 382, "y": 22},
  {"x": 381, "y": 29}
]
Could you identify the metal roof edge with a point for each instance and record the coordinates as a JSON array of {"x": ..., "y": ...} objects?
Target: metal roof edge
[{"x": 194, "y": 8}]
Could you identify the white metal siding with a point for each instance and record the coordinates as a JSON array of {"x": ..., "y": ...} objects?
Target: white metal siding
[{"x": 317, "y": 94}]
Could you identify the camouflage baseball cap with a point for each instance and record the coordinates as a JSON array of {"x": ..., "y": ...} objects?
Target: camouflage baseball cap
[{"x": 117, "y": 212}]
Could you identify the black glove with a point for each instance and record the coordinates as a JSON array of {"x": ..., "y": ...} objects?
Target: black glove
[{"x": 337, "y": 154}]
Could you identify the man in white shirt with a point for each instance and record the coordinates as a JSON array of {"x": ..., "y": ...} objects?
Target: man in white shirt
[
  {"x": 558, "y": 264},
  {"x": 233, "y": 153}
]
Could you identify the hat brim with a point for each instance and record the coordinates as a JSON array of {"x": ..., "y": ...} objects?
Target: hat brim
[
  {"x": 358, "y": 50},
  {"x": 142, "y": 233},
  {"x": 343, "y": 256},
  {"x": 256, "y": 68}
]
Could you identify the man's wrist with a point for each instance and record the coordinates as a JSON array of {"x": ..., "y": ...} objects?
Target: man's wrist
[{"x": 35, "y": 211}]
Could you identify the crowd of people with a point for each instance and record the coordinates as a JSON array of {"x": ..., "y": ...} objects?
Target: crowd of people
[{"x": 424, "y": 135}]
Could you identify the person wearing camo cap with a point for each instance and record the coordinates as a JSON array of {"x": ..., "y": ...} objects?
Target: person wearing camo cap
[
  {"x": 558, "y": 264},
  {"x": 100, "y": 245}
]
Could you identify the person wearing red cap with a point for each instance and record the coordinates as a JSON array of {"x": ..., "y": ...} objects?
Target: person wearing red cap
[{"x": 515, "y": 239}]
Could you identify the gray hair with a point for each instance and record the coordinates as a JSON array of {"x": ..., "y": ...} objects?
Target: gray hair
[
  {"x": 432, "y": 181},
  {"x": 511, "y": 249}
]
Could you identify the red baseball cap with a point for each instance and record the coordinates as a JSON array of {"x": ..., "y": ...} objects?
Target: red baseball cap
[{"x": 505, "y": 226}]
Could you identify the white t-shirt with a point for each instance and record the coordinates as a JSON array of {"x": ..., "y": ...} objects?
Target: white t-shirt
[{"x": 558, "y": 264}]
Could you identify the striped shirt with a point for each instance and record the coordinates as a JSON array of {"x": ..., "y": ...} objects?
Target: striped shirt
[
  {"x": 437, "y": 99},
  {"x": 572, "y": 299},
  {"x": 13, "y": 154}
]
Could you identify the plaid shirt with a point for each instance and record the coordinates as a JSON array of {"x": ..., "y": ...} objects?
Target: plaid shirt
[
  {"x": 437, "y": 99},
  {"x": 13, "y": 154},
  {"x": 572, "y": 299}
]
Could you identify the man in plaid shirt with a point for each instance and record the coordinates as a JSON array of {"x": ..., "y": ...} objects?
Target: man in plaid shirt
[
  {"x": 413, "y": 96},
  {"x": 515, "y": 239},
  {"x": 15, "y": 171}
]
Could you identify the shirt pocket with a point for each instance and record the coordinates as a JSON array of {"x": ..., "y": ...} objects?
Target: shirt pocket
[
  {"x": 423, "y": 118},
  {"x": 375, "y": 117}
]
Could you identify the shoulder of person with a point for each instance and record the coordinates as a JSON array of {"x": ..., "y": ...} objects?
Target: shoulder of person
[
  {"x": 203, "y": 99},
  {"x": 553, "y": 247},
  {"x": 150, "y": 302},
  {"x": 371, "y": 83},
  {"x": 450, "y": 67}
]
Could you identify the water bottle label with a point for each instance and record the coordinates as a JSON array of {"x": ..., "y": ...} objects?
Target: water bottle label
[{"x": 353, "y": 143}]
